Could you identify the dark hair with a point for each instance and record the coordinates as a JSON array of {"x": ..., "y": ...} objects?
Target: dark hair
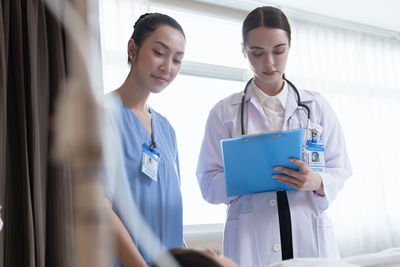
[
  {"x": 265, "y": 16},
  {"x": 187, "y": 257},
  {"x": 148, "y": 23}
]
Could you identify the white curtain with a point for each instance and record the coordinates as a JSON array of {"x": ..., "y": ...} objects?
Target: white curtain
[{"x": 360, "y": 76}]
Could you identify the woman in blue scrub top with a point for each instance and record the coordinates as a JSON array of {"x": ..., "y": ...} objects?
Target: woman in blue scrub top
[{"x": 149, "y": 148}]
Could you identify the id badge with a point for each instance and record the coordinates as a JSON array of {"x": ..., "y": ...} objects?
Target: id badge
[
  {"x": 150, "y": 160},
  {"x": 314, "y": 155}
]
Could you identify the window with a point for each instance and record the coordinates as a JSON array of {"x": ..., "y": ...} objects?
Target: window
[{"x": 209, "y": 39}]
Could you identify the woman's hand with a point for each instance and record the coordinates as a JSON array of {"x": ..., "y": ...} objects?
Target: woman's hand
[{"x": 304, "y": 179}]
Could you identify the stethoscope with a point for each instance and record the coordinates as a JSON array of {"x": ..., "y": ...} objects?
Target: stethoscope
[{"x": 299, "y": 104}]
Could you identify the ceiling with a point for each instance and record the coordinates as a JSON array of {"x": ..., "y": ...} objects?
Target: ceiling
[
  {"x": 378, "y": 13},
  {"x": 382, "y": 14}
]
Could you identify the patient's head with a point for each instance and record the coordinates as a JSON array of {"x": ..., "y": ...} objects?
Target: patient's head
[{"x": 195, "y": 258}]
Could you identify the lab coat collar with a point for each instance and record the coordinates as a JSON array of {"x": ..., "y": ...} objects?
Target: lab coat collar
[
  {"x": 237, "y": 99},
  {"x": 252, "y": 97},
  {"x": 291, "y": 97},
  {"x": 291, "y": 104}
]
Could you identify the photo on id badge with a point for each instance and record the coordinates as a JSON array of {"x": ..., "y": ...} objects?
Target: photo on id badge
[{"x": 314, "y": 157}]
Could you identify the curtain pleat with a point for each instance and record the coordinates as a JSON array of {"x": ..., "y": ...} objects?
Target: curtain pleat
[
  {"x": 17, "y": 206},
  {"x": 39, "y": 101}
]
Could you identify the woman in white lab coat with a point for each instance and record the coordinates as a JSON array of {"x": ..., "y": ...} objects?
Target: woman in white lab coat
[{"x": 268, "y": 227}]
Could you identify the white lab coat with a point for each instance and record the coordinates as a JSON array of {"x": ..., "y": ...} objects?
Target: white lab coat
[{"x": 251, "y": 235}]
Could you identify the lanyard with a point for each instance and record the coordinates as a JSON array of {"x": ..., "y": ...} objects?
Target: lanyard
[{"x": 153, "y": 143}]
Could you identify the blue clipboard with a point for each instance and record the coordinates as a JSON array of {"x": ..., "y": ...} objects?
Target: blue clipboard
[{"x": 249, "y": 161}]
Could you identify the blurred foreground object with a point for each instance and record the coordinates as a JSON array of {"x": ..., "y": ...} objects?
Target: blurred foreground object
[{"x": 78, "y": 141}]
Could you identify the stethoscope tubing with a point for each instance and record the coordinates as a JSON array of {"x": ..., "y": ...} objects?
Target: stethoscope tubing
[{"x": 299, "y": 104}]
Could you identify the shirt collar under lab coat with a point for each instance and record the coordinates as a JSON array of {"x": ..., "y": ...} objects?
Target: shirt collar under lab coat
[{"x": 282, "y": 96}]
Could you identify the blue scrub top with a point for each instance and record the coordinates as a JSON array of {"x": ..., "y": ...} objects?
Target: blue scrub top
[{"x": 159, "y": 202}]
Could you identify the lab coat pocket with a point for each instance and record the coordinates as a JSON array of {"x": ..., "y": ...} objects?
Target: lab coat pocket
[
  {"x": 240, "y": 243},
  {"x": 327, "y": 247}
]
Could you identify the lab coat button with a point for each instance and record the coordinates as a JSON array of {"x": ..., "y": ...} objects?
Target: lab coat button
[
  {"x": 277, "y": 247},
  {"x": 272, "y": 202}
]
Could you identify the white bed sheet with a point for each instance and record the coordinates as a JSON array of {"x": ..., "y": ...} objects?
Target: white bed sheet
[{"x": 386, "y": 258}]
